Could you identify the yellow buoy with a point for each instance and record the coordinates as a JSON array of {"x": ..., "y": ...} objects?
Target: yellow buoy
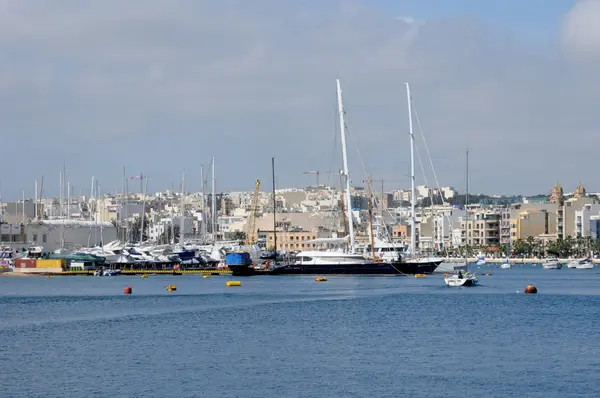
[
  {"x": 420, "y": 275},
  {"x": 144, "y": 276},
  {"x": 321, "y": 279},
  {"x": 171, "y": 288},
  {"x": 49, "y": 276},
  {"x": 206, "y": 276},
  {"x": 233, "y": 283}
]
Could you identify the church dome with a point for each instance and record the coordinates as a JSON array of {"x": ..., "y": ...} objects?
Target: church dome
[{"x": 579, "y": 191}]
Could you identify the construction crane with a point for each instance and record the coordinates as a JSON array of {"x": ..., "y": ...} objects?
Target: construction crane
[
  {"x": 318, "y": 173},
  {"x": 251, "y": 233}
]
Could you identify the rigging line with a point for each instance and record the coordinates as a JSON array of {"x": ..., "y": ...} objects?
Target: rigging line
[
  {"x": 431, "y": 163},
  {"x": 335, "y": 144},
  {"x": 427, "y": 151},
  {"x": 378, "y": 203},
  {"x": 333, "y": 215}
]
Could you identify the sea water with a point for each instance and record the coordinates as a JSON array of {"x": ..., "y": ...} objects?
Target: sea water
[{"x": 289, "y": 336}]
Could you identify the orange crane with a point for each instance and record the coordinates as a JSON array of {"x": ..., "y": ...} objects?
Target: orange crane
[{"x": 251, "y": 233}]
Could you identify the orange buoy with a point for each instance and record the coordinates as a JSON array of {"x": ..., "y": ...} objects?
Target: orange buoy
[
  {"x": 127, "y": 290},
  {"x": 530, "y": 289}
]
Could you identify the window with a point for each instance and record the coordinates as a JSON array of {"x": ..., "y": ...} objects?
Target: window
[
  {"x": 34, "y": 237},
  {"x": 44, "y": 238}
]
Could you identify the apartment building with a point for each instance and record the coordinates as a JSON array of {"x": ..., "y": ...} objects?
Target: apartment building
[
  {"x": 583, "y": 219},
  {"x": 483, "y": 228},
  {"x": 288, "y": 240},
  {"x": 532, "y": 222}
]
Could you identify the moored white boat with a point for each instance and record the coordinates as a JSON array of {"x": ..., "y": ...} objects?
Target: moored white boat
[
  {"x": 551, "y": 263},
  {"x": 585, "y": 264},
  {"x": 506, "y": 265},
  {"x": 466, "y": 279},
  {"x": 458, "y": 280}
]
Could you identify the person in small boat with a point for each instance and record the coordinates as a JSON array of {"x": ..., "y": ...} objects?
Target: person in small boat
[{"x": 460, "y": 275}]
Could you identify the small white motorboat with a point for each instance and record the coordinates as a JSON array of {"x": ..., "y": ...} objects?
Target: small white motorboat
[
  {"x": 552, "y": 263},
  {"x": 572, "y": 264},
  {"x": 460, "y": 279},
  {"x": 585, "y": 264},
  {"x": 505, "y": 265}
]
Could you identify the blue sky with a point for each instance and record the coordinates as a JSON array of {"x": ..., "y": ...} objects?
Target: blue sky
[
  {"x": 537, "y": 17},
  {"x": 102, "y": 85}
]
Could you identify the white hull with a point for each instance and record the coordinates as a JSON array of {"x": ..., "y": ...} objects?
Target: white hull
[
  {"x": 585, "y": 265},
  {"x": 422, "y": 260},
  {"x": 572, "y": 264},
  {"x": 506, "y": 266},
  {"x": 332, "y": 257},
  {"x": 455, "y": 281},
  {"x": 552, "y": 266},
  {"x": 552, "y": 263}
]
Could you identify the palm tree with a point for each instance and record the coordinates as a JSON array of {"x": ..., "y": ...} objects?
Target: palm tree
[
  {"x": 579, "y": 241},
  {"x": 530, "y": 244}
]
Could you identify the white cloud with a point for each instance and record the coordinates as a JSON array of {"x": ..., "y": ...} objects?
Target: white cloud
[
  {"x": 138, "y": 82},
  {"x": 581, "y": 30}
]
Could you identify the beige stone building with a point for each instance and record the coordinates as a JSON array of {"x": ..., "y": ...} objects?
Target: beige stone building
[
  {"x": 482, "y": 229},
  {"x": 289, "y": 241},
  {"x": 532, "y": 222},
  {"x": 299, "y": 221}
]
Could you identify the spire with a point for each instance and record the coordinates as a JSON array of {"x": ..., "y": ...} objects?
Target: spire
[
  {"x": 579, "y": 191},
  {"x": 557, "y": 195}
]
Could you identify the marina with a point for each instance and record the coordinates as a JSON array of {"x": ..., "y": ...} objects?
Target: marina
[{"x": 280, "y": 199}]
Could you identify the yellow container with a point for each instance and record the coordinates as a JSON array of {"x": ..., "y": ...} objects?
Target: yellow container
[
  {"x": 49, "y": 263},
  {"x": 233, "y": 283}
]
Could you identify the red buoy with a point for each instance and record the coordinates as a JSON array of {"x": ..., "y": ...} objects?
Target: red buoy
[
  {"x": 530, "y": 289},
  {"x": 127, "y": 290}
]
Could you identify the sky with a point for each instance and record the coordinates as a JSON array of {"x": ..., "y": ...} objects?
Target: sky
[{"x": 159, "y": 87}]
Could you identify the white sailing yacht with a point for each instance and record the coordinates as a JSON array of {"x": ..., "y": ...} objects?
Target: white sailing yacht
[
  {"x": 424, "y": 265},
  {"x": 466, "y": 279},
  {"x": 337, "y": 256}
]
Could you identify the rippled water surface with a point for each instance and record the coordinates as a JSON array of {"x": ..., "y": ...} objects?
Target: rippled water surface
[{"x": 293, "y": 337}]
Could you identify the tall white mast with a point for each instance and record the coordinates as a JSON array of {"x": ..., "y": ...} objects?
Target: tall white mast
[
  {"x": 102, "y": 214},
  {"x": 467, "y": 210},
  {"x": 35, "y": 209},
  {"x": 60, "y": 194},
  {"x": 345, "y": 158},
  {"x": 23, "y": 207},
  {"x": 181, "y": 210},
  {"x": 203, "y": 225},
  {"x": 213, "y": 203},
  {"x": 62, "y": 225},
  {"x": 68, "y": 200},
  {"x": 413, "y": 226},
  {"x": 143, "y": 184}
]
